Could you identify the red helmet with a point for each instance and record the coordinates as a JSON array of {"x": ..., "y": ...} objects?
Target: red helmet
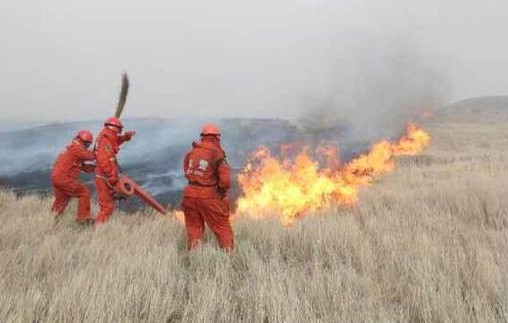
[
  {"x": 210, "y": 129},
  {"x": 113, "y": 121},
  {"x": 85, "y": 136}
]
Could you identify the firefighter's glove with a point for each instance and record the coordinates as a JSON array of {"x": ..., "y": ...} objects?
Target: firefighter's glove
[
  {"x": 112, "y": 182},
  {"x": 129, "y": 134},
  {"x": 222, "y": 192}
]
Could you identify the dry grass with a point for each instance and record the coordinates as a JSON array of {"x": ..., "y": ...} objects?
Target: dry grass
[{"x": 428, "y": 243}]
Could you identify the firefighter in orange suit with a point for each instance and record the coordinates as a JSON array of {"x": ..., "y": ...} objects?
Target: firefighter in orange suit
[
  {"x": 65, "y": 176},
  {"x": 107, "y": 171},
  {"x": 205, "y": 197}
]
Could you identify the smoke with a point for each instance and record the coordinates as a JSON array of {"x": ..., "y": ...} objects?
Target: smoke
[
  {"x": 379, "y": 83},
  {"x": 337, "y": 69},
  {"x": 153, "y": 158}
]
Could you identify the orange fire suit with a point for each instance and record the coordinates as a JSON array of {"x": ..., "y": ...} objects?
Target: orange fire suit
[
  {"x": 107, "y": 146},
  {"x": 205, "y": 199},
  {"x": 65, "y": 179}
]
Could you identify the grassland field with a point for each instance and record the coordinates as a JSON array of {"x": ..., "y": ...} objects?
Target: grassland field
[{"x": 427, "y": 243}]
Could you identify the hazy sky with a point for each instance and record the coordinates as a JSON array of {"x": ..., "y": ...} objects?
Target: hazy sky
[{"x": 62, "y": 59}]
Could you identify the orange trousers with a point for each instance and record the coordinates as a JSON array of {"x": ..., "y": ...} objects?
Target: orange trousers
[
  {"x": 64, "y": 190},
  {"x": 105, "y": 197},
  {"x": 213, "y": 212}
]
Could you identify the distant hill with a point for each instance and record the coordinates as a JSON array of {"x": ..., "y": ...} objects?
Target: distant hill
[
  {"x": 487, "y": 106},
  {"x": 35, "y": 148},
  {"x": 11, "y": 125}
]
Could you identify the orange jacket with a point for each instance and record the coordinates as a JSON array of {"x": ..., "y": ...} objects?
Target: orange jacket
[
  {"x": 206, "y": 169},
  {"x": 107, "y": 146},
  {"x": 70, "y": 161}
]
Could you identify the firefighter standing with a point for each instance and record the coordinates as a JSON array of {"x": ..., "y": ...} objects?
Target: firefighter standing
[
  {"x": 107, "y": 171},
  {"x": 65, "y": 176},
  {"x": 205, "y": 197}
]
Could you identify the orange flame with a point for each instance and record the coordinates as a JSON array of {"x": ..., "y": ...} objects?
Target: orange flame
[{"x": 293, "y": 187}]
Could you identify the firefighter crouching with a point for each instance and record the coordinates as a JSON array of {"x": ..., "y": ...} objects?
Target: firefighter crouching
[
  {"x": 205, "y": 197},
  {"x": 65, "y": 177}
]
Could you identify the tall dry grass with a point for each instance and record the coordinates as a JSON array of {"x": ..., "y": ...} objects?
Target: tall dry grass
[{"x": 428, "y": 243}]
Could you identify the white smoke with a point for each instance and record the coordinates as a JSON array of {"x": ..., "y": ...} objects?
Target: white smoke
[{"x": 378, "y": 84}]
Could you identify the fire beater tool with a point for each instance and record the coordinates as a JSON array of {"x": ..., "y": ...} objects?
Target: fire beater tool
[
  {"x": 127, "y": 187},
  {"x": 123, "y": 95}
]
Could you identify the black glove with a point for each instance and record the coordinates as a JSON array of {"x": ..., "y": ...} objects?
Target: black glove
[
  {"x": 222, "y": 192},
  {"x": 129, "y": 134},
  {"x": 113, "y": 181}
]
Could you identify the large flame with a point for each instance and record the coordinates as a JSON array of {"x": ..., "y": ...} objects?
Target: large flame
[{"x": 292, "y": 187}]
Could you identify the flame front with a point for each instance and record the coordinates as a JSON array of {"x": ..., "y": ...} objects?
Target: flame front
[{"x": 293, "y": 187}]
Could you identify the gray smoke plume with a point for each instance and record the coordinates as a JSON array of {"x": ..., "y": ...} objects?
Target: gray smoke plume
[{"x": 378, "y": 84}]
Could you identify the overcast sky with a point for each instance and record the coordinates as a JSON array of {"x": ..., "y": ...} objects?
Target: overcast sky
[{"x": 62, "y": 59}]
